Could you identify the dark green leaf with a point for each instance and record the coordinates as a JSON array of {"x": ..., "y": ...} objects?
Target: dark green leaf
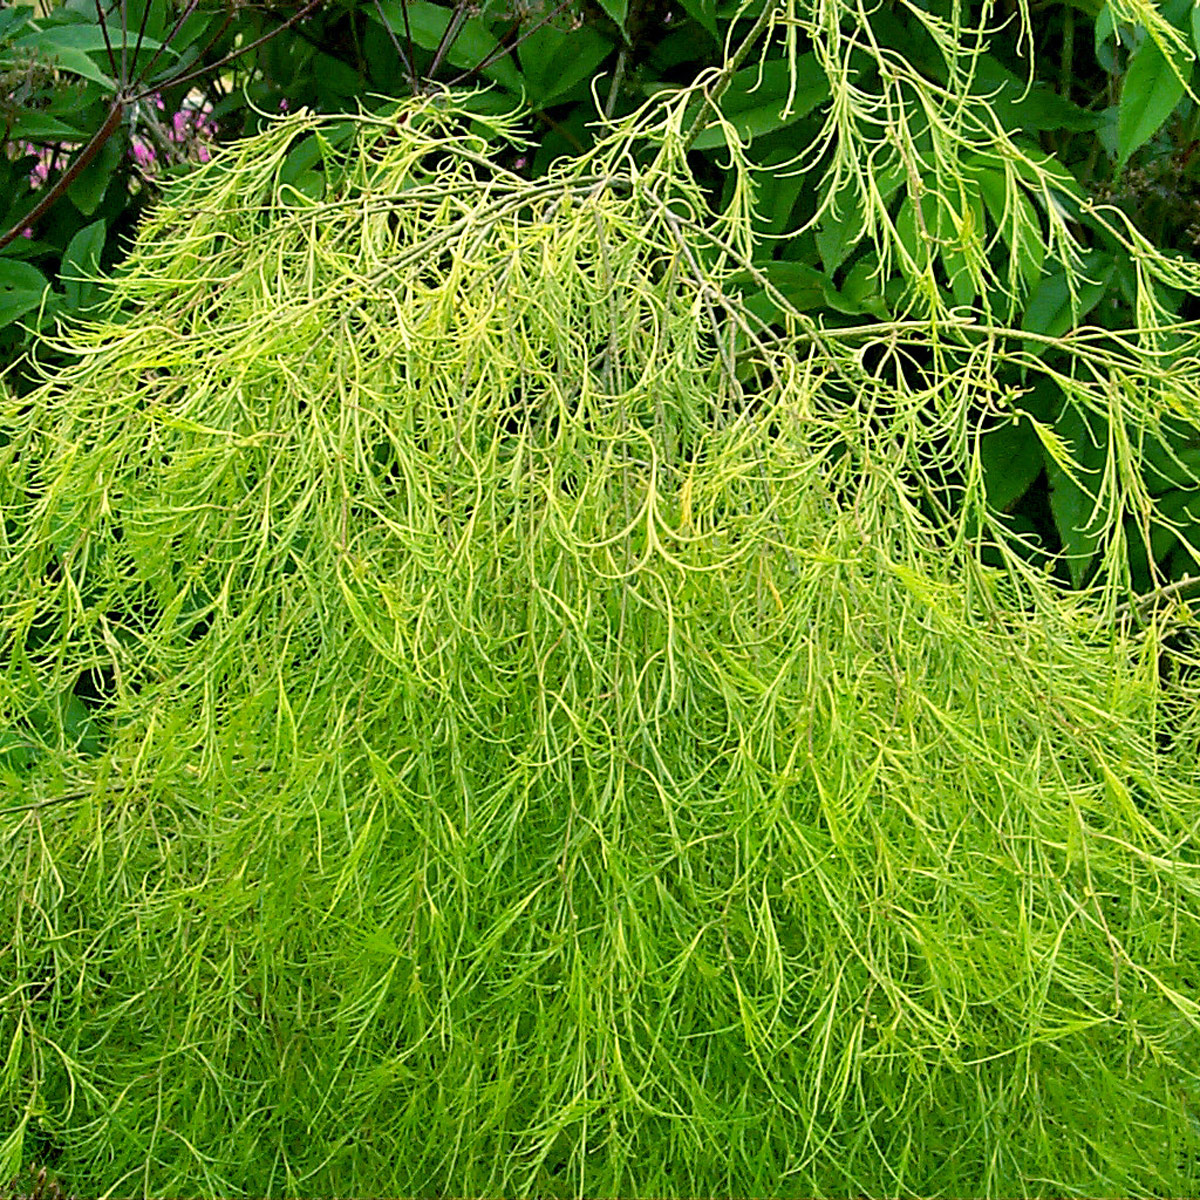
[
  {"x": 22, "y": 287},
  {"x": 38, "y": 126},
  {"x": 778, "y": 191},
  {"x": 55, "y": 45},
  {"x": 1150, "y": 92},
  {"x": 81, "y": 263},
  {"x": 1102, "y": 31},
  {"x": 336, "y": 80},
  {"x": 909, "y": 232},
  {"x": 87, "y": 37},
  {"x": 16, "y": 752},
  {"x": 1051, "y": 311},
  {"x": 989, "y": 176},
  {"x": 617, "y": 11},
  {"x": 1179, "y": 508},
  {"x": 13, "y": 17},
  {"x": 690, "y": 42},
  {"x": 1021, "y": 106},
  {"x": 802, "y": 286},
  {"x": 704, "y": 13},
  {"x": 473, "y": 44},
  {"x": 839, "y": 234},
  {"x": 1012, "y": 459},
  {"x": 1071, "y": 503},
  {"x": 78, "y": 725},
  {"x": 89, "y": 186},
  {"x": 554, "y": 60},
  {"x": 755, "y": 100},
  {"x": 862, "y": 288},
  {"x": 1172, "y": 460}
]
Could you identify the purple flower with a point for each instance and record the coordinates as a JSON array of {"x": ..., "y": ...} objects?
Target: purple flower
[
  {"x": 191, "y": 128},
  {"x": 143, "y": 155},
  {"x": 40, "y": 170}
]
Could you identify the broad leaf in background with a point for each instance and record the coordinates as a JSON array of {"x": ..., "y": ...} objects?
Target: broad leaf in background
[
  {"x": 803, "y": 287},
  {"x": 88, "y": 188},
  {"x": 58, "y": 45},
  {"x": 1071, "y": 500},
  {"x": 41, "y": 125},
  {"x": 473, "y": 43},
  {"x": 81, "y": 265},
  {"x": 1180, "y": 509},
  {"x": 1013, "y": 214},
  {"x": 704, "y": 13},
  {"x": 1052, "y": 309},
  {"x": 1012, "y": 461},
  {"x": 1025, "y": 106},
  {"x": 618, "y": 11},
  {"x": 756, "y": 101},
  {"x": 87, "y": 37},
  {"x": 22, "y": 288},
  {"x": 554, "y": 60},
  {"x": 1154, "y": 84},
  {"x": 778, "y": 187},
  {"x": 839, "y": 231}
]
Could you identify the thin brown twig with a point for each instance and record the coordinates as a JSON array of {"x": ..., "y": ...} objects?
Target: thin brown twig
[
  {"x": 89, "y": 152},
  {"x": 1139, "y": 604},
  {"x": 299, "y": 15}
]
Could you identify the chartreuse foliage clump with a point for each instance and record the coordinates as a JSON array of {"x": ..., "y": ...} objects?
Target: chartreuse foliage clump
[{"x": 497, "y": 703}]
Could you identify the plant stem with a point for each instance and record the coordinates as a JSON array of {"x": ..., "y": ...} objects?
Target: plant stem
[{"x": 723, "y": 80}]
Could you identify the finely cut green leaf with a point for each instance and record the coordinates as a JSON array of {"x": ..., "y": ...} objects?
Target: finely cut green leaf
[
  {"x": 1058, "y": 452},
  {"x": 543, "y": 731}
]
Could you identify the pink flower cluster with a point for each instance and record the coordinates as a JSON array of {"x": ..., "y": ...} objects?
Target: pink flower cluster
[
  {"x": 189, "y": 133},
  {"x": 191, "y": 130},
  {"x": 41, "y": 168}
]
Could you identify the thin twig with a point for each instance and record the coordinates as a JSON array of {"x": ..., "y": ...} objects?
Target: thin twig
[
  {"x": 299, "y": 15},
  {"x": 1139, "y": 604},
  {"x": 725, "y": 77},
  {"x": 89, "y": 152},
  {"x": 406, "y": 59}
]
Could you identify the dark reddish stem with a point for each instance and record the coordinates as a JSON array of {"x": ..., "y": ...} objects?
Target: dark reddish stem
[
  {"x": 300, "y": 14},
  {"x": 89, "y": 152},
  {"x": 130, "y": 95}
]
